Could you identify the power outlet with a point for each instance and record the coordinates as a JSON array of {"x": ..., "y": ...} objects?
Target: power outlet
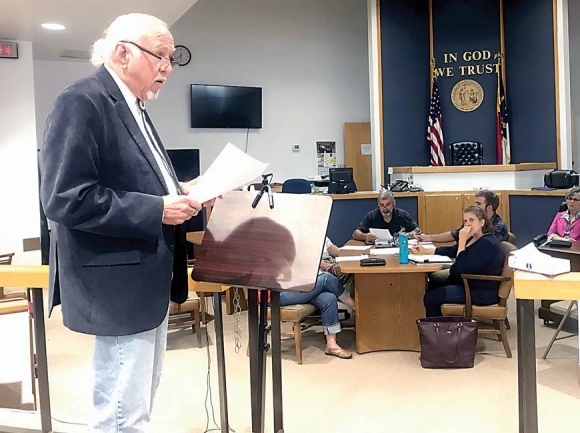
[{"x": 296, "y": 147}]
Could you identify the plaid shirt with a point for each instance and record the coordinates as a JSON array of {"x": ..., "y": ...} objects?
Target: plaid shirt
[{"x": 498, "y": 229}]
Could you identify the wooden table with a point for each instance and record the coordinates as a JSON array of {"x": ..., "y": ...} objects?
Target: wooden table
[
  {"x": 388, "y": 302},
  {"x": 527, "y": 287},
  {"x": 34, "y": 277}
]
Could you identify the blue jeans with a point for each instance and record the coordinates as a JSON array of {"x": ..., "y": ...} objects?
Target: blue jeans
[
  {"x": 324, "y": 296},
  {"x": 126, "y": 373},
  {"x": 434, "y": 298}
]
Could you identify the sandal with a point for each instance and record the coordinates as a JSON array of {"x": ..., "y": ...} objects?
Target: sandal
[{"x": 339, "y": 353}]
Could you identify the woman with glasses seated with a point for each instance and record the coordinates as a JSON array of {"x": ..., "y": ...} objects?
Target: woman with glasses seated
[{"x": 566, "y": 224}]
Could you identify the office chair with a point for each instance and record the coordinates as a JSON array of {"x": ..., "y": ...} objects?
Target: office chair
[
  {"x": 540, "y": 239},
  {"x": 296, "y": 186},
  {"x": 466, "y": 153}
]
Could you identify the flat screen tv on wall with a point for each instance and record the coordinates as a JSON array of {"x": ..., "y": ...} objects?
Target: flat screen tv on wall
[{"x": 226, "y": 106}]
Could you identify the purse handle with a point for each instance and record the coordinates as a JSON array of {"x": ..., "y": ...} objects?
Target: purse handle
[{"x": 459, "y": 329}]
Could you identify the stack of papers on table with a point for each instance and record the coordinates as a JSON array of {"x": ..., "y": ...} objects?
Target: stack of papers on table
[
  {"x": 429, "y": 258},
  {"x": 530, "y": 259}
]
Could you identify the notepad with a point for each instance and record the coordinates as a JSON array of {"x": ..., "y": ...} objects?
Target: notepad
[{"x": 429, "y": 258}]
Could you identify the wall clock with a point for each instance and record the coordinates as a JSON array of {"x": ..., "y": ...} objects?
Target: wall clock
[{"x": 182, "y": 55}]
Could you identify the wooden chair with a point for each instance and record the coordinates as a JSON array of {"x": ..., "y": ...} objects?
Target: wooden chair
[
  {"x": 496, "y": 313},
  {"x": 6, "y": 259},
  {"x": 187, "y": 312},
  {"x": 511, "y": 238},
  {"x": 11, "y": 395},
  {"x": 294, "y": 314}
]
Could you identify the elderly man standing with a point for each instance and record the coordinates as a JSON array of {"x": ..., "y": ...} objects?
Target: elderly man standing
[
  {"x": 487, "y": 201},
  {"x": 386, "y": 216},
  {"x": 117, "y": 212}
]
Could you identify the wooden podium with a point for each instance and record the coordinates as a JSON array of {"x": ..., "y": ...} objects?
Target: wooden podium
[
  {"x": 527, "y": 288},
  {"x": 275, "y": 248}
]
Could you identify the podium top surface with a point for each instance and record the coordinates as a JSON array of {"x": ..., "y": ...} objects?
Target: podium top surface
[
  {"x": 24, "y": 276},
  {"x": 276, "y": 249},
  {"x": 528, "y": 285}
]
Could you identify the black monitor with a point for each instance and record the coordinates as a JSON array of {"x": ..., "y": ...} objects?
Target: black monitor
[
  {"x": 186, "y": 165},
  {"x": 226, "y": 106},
  {"x": 185, "y": 162},
  {"x": 340, "y": 181}
]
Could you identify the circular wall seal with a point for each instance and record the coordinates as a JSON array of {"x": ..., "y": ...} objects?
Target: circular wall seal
[{"x": 467, "y": 95}]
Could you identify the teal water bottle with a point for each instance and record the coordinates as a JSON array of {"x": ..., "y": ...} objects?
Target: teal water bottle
[{"x": 403, "y": 248}]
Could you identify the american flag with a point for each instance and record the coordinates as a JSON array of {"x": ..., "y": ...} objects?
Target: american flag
[
  {"x": 502, "y": 136},
  {"x": 435, "y": 128}
]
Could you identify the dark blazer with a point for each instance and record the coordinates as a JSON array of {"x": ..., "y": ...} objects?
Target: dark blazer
[{"x": 113, "y": 264}]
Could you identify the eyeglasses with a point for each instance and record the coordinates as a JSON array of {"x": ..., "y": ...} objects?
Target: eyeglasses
[
  {"x": 576, "y": 200},
  {"x": 173, "y": 62}
]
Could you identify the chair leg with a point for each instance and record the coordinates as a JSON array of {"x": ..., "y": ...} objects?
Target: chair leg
[
  {"x": 558, "y": 329},
  {"x": 497, "y": 328},
  {"x": 298, "y": 341},
  {"x": 507, "y": 324},
  {"x": 504, "y": 340},
  {"x": 202, "y": 307},
  {"x": 197, "y": 326}
]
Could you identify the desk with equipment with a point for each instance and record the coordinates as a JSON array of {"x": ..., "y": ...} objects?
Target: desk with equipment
[{"x": 389, "y": 300}]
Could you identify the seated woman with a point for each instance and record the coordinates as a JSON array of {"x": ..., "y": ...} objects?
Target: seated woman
[
  {"x": 566, "y": 224},
  {"x": 325, "y": 294},
  {"x": 329, "y": 264},
  {"x": 477, "y": 252}
]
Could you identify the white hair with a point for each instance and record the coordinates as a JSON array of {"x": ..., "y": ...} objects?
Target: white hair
[{"x": 130, "y": 27}]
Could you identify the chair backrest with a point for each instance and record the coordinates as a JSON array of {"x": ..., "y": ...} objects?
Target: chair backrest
[
  {"x": 511, "y": 238},
  {"x": 466, "y": 153},
  {"x": 296, "y": 186},
  {"x": 563, "y": 207},
  {"x": 505, "y": 287},
  {"x": 6, "y": 259}
]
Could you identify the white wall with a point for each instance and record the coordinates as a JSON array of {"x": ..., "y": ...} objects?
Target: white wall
[
  {"x": 19, "y": 218},
  {"x": 309, "y": 56},
  {"x": 50, "y": 78}
]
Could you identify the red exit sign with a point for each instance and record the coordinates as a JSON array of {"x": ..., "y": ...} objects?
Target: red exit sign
[{"x": 8, "y": 50}]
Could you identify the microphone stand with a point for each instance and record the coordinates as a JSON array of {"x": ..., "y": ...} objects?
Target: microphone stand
[{"x": 266, "y": 179}]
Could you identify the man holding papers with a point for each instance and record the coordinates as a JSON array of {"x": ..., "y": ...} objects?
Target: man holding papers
[
  {"x": 386, "y": 216},
  {"x": 477, "y": 252}
]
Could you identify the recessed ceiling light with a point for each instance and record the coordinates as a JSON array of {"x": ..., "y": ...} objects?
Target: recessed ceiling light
[{"x": 53, "y": 26}]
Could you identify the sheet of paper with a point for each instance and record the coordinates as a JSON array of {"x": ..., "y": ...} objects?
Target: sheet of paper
[
  {"x": 429, "y": 258},
  {"x": 366, "y": 149},
  {"x": 384, "y": 251},
  {"x": 231, "y": 169},
  {"x": 351, "y": 258},
  {"x": 382, "y": 234},
  {"x": 355, "y": 247},
  {"x": 414, "y": 241}
]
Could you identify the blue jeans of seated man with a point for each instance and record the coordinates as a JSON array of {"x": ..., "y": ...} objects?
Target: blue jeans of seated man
[
  {"x": 324, "y": 296},
  {"x": 126, "y": 373},
  {"x": 434, "y": 298}
]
